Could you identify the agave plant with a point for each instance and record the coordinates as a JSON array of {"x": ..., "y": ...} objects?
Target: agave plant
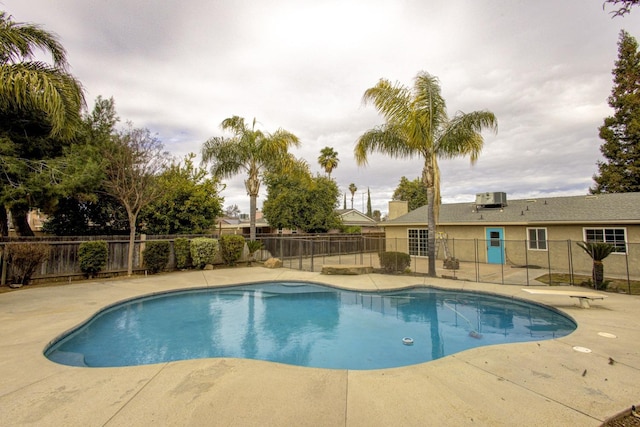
[{"x": 597, "y": 251}]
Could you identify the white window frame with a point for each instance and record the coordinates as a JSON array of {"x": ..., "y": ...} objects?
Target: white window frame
[
  {"x": 535, "y": 245},
  {"x": 421, "y": 240},
  {"x": 607, "y": 235}
]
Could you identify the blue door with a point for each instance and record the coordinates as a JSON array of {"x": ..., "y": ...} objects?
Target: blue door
[{"x": 495, "y": 245}]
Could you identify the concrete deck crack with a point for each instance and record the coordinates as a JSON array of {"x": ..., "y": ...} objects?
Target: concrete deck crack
[{"x": 135, "y": 394}]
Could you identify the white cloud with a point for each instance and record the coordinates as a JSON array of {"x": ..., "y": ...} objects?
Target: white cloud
[{"x": 180, "y": 68}]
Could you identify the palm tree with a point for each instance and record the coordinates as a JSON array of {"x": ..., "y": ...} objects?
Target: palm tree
[
  {"x": 598, "y": 251},
  {"x": 328, "y": 160},
  {"x": 417, "y": 125},
  {"x": 34, "y": 89},
  {"x": 250, "y": 151},
  {"x": 352, "y": 189},
  {"x": 38, "y": 101}
]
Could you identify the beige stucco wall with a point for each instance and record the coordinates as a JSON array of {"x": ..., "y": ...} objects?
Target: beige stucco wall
[{"x": 468, "y": 243}]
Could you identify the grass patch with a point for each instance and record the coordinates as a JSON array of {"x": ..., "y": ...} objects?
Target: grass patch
[{"x": 615, "y": 285}]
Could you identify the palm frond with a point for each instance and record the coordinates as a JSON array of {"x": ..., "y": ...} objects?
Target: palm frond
[
  {"x": 385, "y": 139},
  {"x": 18, "y": 42},
  {"x": 597, "y": 250},
  {"x": 393, "y": 102},
  {"x": 36, "y": 86},
  {"x": 462, "y": 137}
]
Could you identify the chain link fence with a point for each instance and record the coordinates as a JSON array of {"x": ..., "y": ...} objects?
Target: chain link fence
[{"x": 558, "y": 263}]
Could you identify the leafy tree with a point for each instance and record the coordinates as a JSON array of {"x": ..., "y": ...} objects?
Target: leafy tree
[
  {"x": 328, "y": 160},
  {"x": 377, "y": 215},
  {"x": 188, "y": 202},
  {"x": 251, "y": 151},
  {"x": 75, "y": 216},
  {"x": 40, "y": 106},
  {"x": 623, "y": 6},
  {"x": 620, "y": 172},
  {"x": 300, "y": 201},
  {"x": 369, "y": 213},
  {"x": 413, "y": 192},
  {"x": 232, "y": 211},
  {"x": 417, "y": 125},
  {"x": 134, "y": 159},
  {"x": 352, "y": 190}
]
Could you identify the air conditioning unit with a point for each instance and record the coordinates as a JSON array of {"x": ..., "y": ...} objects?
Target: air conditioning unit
[{"x": 496, "y": 199}]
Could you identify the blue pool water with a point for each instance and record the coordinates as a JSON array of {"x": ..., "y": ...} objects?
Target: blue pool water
[{"x": 304, "y": 324}]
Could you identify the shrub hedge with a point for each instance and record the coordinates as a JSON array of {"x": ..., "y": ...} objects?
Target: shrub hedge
[
  {"x": 182, "y": 249},
  {"x": 394, "y": 262},
  {"x": 25, "y": 258},
  {"x": 231, "y": 247},
  {"x": 156, "y": 255},
  {"x": 93, "y": 257},
  {"x": 203, "y": 251}
]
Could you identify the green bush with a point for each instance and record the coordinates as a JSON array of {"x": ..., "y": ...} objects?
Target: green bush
[
  {"x": 93, "y": 257},
  {"x": 231, "y": 247},
  {"x": 24, "y": 259},
  {"x": 156, "y": 255},
  {"x": 203, "y": 251},
  {"x": 394, "y": 262},
  {"x": 182, "y": 249}
]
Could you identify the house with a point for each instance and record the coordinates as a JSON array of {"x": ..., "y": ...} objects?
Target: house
[
  {"x": 349, "y": 217},
  {"x": 355, "y": 218},
  {"x": 242, "y": 225},
  {"x": 532, "y": 232}
]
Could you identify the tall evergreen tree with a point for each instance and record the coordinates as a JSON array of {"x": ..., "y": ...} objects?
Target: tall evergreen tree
[
  {"x": 369, "y": 212},
  {"x": 620, "y": 172}
]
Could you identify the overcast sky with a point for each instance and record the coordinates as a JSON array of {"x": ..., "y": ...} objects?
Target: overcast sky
[{"x": 179, "y": 68}]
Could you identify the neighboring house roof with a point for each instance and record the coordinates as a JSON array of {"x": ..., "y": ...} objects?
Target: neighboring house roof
[
  {"x": 620, "y": 208},
  {"x": 236, "y": 223},
  {"x": 356, "y": 218}
]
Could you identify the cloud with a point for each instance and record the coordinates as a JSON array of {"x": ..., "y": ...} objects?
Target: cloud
[{"x": 180, "y": 68}]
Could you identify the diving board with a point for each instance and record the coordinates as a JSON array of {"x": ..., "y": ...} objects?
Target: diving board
[{"x": 584, "y": 297}]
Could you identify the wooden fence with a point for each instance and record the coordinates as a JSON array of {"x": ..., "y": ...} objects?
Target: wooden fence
[{"x": 63, "y": 264}]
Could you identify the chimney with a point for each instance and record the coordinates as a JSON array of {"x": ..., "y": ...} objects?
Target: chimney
[{"x": 397, "y": 208}]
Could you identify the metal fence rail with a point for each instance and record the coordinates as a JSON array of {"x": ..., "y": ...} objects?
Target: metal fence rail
[{"x": 561, "y": 263}]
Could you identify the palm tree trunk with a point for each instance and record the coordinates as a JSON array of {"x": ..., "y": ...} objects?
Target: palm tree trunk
[
  {"x": 597, "y": 274},
  {"x": 428, "y": 180},
  {"x": 431, "y": 233},
  {"x": 252, "y": 216}
]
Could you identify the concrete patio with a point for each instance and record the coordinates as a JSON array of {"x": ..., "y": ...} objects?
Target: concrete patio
[{"x": 534, "y": 384}]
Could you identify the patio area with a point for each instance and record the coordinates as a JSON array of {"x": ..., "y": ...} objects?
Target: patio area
[{"x": 537, "y": 383}]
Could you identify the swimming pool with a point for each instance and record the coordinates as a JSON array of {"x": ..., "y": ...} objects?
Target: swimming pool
[{"x": 304, "y": 324}]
